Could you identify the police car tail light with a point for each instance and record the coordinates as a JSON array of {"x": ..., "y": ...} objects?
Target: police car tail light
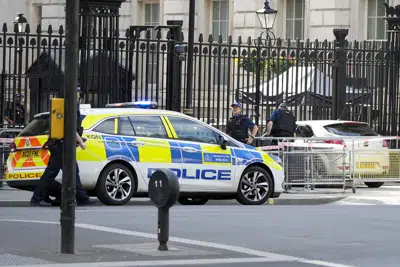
[{"x": 13, "y": 147}]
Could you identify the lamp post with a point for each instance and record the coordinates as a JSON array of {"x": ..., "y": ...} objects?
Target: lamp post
[
  {"x": 21, "y": 21},
  {"x": 267, "y": 17},
  {"x": 20, "y": 27}
]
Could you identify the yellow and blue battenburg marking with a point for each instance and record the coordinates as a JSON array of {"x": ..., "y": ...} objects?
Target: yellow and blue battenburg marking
[
  {"x": 147, "y": 150},
  {"x": 196, "y": 174}
]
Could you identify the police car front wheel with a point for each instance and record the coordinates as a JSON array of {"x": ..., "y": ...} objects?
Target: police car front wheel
[
  {"x": 116, "y": 185},
  {"x": 255, "y": 186}
]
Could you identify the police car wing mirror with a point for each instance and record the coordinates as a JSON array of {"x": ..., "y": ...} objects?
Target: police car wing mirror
[{"x": 222, "y": 141}]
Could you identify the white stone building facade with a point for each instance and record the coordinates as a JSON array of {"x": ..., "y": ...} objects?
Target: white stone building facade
[{"x": 314, "y": 19}]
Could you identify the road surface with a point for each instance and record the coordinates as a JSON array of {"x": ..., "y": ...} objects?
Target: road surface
[{"x": 211, "y": 235}]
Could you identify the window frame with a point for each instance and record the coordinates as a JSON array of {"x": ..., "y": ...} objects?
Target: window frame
[
  {"x": 152, "y": 65},
  {"x": 221, "y": 78},
  {"x": 130, "y": 122},
  {"x": 293, "y": 19},
  {"x": 305, "y": 127},
  {"x": 375, "y": 17},
  {"x": 129, "y": 116},
  {"x": 212, "y": 129},
  {"x": 115, "y": 118}
]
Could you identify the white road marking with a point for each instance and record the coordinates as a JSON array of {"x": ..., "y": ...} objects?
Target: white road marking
[
  {"x": 242, "y": 250},
  {"x": 155, "y": 263}
]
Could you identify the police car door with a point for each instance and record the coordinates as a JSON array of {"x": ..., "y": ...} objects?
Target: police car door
[
  {"x": 206, "y": 166},
  {"x": 153, "y": 145}
]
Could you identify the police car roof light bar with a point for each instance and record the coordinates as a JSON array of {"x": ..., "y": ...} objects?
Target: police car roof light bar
[{"x": 137, "y": 104}]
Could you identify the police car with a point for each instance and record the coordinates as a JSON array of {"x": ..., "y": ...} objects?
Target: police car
[{"x": 126, "y": 145}]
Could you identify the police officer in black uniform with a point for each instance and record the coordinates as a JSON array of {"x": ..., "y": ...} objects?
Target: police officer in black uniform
[
  {"x": 17, "y": 118},
  {"x": 239, "y": 125},
  {"x": 47, "y": 184},
  {"x": 282, "y": 123}
]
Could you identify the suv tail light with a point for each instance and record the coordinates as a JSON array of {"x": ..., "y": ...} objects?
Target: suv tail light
[
  {"x": 336, "y": 142},
  {"x": 385, "y": 143},
  {"x": 13, "y": 147}
]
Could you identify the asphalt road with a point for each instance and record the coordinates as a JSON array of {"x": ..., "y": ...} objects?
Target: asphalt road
[{"x": 276, "y": 236}]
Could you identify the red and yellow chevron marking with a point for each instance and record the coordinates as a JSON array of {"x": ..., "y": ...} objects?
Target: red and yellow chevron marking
[
  {"x": 37, "y": 141},
  {"x": 30, "y": 158}
]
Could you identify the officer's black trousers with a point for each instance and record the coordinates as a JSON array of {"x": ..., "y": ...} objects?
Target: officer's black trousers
[{"x": 47, "y": 183}]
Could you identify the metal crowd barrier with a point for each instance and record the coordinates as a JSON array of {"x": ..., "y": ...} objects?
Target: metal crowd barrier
[
  {"x": 336, "y": 161},
  {"x": 375, "y": 161},
  {"x": 7, "y": 136},
  {"x": 309, "y": 162}
]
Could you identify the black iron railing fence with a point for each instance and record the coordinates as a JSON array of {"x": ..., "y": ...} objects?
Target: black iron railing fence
[{"x": 326, "y": 79}]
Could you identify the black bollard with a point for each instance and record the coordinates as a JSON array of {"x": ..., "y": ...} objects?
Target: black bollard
[
  {"x": 163, "y": 192},
  {"x": 163, "y": 228}
]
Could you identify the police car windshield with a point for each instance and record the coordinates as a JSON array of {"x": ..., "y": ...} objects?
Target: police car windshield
[{"x": 39, "y": 126}]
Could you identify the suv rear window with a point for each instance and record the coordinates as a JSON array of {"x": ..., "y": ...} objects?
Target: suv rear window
[
  {"x": 351, "y": 129},
  {"x": 39, "y": 126}
]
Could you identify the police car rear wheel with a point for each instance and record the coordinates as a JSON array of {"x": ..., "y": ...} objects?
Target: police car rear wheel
[
  {"x": 116, "y": 185},
  {"x": 255, "y": 186},
  {"x": 192, "y": 201}
]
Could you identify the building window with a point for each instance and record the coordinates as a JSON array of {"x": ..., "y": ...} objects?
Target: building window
[
  {"x": 376, "y": 23},
  {"x": 220, "y": 19},
  {"x": 295, "y": 19},
  {"x": 220, "y": 26},
  {"x": 152, "y": 18},
  {"x": 38, "y": 14}
]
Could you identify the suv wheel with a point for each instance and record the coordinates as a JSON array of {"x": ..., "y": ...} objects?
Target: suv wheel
[
  {"x": 373, "y": 184},
  {"x": 116, "y": 185},
  {"x": 255, "y": 186}
]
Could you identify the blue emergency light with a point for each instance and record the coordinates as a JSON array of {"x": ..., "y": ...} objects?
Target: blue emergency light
[{"x": 136, "y": 104}]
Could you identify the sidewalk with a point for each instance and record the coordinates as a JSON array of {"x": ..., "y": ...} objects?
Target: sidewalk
[{"x": 10, "y": 197}]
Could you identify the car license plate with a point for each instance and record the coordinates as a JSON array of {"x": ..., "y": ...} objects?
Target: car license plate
[
  {"x": 366, "y": 165},
  {"x": 30, "y": 154}
]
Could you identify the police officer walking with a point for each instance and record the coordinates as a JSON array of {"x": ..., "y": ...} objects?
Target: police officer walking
[
  {"x": 47, "y": 181},
  {"x": 239, "y": 125},
  {"x": 282, "y": 123}
]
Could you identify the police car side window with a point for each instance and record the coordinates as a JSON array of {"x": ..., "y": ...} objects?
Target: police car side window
[
  {"x": 106, "y": 126},
  {"x": 189, "y": 130},
  {"x": 125, "y": 127},
  {"x": 149, "y": 126}
]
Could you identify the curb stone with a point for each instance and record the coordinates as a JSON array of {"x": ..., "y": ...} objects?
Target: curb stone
[{"x": 145, "y": 202}]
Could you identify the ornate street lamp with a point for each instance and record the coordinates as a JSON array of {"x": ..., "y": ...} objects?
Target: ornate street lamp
[
  {"x": 21, "y": 21},
  {"x": 267, "y": 17}
]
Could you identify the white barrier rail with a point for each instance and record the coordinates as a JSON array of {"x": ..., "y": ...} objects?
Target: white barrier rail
[{"x": 325, "y": 161}]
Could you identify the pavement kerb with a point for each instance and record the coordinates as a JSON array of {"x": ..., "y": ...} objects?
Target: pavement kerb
[
  {"x": 305, "y": 201},
  {"x": 318, "y": 200}
]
